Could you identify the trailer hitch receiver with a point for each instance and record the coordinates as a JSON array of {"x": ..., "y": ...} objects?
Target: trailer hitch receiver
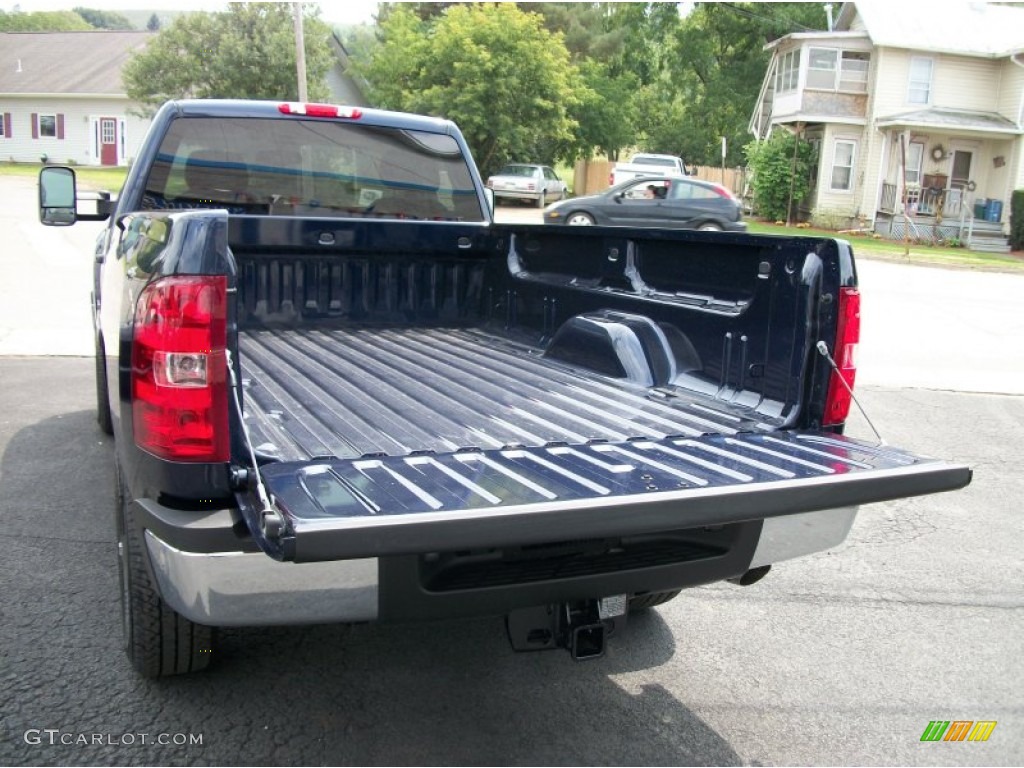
[{"x": 580, "y": 626}]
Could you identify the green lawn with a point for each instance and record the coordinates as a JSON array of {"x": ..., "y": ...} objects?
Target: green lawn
[
  {"x": 90, "y": 177},
  {"x": 891, "y": 250}
]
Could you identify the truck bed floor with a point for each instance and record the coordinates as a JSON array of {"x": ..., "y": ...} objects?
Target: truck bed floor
[{"x": 364, "y": 391}]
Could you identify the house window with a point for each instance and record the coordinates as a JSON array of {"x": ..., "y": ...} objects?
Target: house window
[
  {"x": 915, "y": 156},
  {"x": 853, "y": 71},
  {"x": 842, "y": 165},
  {"x": 48, "y": 126},
  {"x": 832, "y": 70},
  {"x": 920, "y": 89},
  {"x": 788, "y": 74},
  {"x": 822, "y": 66},
  {"x": 3, "y": 125}
]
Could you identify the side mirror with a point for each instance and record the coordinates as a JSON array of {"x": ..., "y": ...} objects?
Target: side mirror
[
  {"x": 489, "y": 194},
  {"x": 57, "y": 197}
]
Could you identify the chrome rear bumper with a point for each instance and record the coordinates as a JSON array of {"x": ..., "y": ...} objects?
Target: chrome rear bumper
[{"x": 236, "y": 589}]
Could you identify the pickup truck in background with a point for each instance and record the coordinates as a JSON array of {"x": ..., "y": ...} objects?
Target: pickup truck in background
[
  {"x": 341, "y": 393},
  {"x": 641, "y": 166}
]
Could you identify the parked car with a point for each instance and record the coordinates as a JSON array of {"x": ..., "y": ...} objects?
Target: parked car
[
  {"x": 522, "y": 181},
  {"x": 661, "y": 201}
]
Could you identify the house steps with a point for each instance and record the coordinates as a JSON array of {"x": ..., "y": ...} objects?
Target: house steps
[{"x": 985, "y": 236}]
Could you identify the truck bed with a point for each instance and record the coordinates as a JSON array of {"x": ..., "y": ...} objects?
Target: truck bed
[{"x": 353, "y": 391}]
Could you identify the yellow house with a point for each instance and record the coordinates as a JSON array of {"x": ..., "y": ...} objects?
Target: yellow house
[{"x": 917, "y": 114}]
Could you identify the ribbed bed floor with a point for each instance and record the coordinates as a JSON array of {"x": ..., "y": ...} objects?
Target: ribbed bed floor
[{"x": 396, "y": 391}]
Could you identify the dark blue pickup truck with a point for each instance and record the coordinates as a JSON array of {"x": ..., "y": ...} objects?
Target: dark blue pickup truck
[{"x": 340, "y": 392}]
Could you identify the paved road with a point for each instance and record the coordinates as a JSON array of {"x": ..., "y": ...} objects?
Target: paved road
[{"x": 840, "y": 658}]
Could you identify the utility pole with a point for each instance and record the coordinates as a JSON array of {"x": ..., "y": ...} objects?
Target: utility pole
[
  {"x": 723, "y": 160},
  {"x": 300, "y": 54}
]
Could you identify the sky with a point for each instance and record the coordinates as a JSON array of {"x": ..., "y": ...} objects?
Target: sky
[{"x": 345, "y": 12}]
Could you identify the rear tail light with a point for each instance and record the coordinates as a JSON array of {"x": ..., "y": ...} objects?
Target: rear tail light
[
  {"x": 319, "y": 110},
  {"x": 611, "y": 179},
  {"x": 724, "y": 192},
  {"x": 179, "y": 369},
  {"x": 838, "y": 399}
]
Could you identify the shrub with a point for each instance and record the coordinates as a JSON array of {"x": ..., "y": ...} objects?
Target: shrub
[
  {"x": 772, "y": 164},
  {"x": 1017, "y": 220}
]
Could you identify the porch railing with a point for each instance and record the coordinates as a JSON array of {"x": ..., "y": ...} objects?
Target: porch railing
[
  {"x": 927, "y": 201},
  {"x": 888, "y": 202}
]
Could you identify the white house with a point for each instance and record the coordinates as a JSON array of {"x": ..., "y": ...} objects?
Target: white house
[
  {"x": 61, "y": 97},
  {"x": 916, "y": 110}
]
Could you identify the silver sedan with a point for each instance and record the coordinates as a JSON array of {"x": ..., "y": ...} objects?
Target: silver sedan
[{"x": 523, "y": 181}]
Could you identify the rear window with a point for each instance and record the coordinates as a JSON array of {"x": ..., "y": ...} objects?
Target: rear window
[
  {"x": 660, "y": 161},
  {"x": 518, "y": 170},
  {"x": 311, "y": 168}
]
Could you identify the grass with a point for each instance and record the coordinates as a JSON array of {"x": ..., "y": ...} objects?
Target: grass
[
  {"x": 892, "y": 250},
  {"x": 90, "y": 177}
]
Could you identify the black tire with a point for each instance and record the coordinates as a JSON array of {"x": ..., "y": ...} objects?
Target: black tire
[
  {"x": 158, "y": 641},
  {"x": 542, "y": 199},
  {"x": 646, "y": 600},
  {"x": 102, "y": 392}
]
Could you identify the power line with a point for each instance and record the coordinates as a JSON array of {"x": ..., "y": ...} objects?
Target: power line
[{"x": 774, "y": 20}]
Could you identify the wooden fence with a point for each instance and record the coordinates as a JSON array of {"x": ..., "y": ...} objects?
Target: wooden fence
[{"x": 591, "y": 176}]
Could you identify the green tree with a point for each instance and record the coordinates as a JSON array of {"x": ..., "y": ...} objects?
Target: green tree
[
  {"x": 104, "y": 19},
  {"x": 714, "y": 64},
  {"x": 247, "y": 52},
  {"x": 43, "y": 21},
  {"x": 775, "y": 174},
  {"x": 504, "y": 79},
  {"x": 153, "y": 25}
]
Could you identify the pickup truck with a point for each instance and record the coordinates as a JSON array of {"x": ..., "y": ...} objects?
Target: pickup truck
[
  {"x": 641, "y": 166},
  {"x": 341, "y": 393}
]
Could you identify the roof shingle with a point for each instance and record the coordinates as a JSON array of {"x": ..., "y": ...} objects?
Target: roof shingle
[{"x": 66, "y": 62}]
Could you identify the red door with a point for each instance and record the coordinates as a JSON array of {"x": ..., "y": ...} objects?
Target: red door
[{"x": 108, "y": 141}]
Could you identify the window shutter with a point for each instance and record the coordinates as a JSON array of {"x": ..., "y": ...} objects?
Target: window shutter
[
  {"x": 60, "y": 126},
  {"x": 8, "y": 132},
  {"x": 35, "y": 125}
]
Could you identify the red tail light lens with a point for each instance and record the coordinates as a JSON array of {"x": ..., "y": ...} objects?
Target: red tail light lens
[
  {"x": 838, "y": 400},
  {"x": 724, "y": 192},
  {"x": 179, "y": 369}
]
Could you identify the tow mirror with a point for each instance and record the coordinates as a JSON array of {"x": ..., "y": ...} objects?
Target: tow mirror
[
  {"x": 58, "y": 199},
  {"x": 57, "y": 196}
]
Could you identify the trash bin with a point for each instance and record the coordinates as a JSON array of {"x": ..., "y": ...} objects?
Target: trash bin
[
  {"x": 994, "y": 210},
  {"x": 979, "y": 207}
]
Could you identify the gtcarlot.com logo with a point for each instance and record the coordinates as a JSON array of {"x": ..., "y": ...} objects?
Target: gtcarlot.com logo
[
  {"x": 57, "y": 737},
  {"x": 958, "y": 730}
]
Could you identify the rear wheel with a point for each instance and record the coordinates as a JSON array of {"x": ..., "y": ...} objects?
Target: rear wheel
[
  {"x": 542, "y": 199},
  {"x": 159, "y": 641},
  {"x": 709, "y": 227},
  {"x": 102, "y": 391},
  {"x": 646, "y": 600},
  {"x": 580, "y": 219}
]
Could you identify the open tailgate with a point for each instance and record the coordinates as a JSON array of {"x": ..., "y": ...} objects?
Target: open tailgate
[{"x": 349, "y": 508}]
